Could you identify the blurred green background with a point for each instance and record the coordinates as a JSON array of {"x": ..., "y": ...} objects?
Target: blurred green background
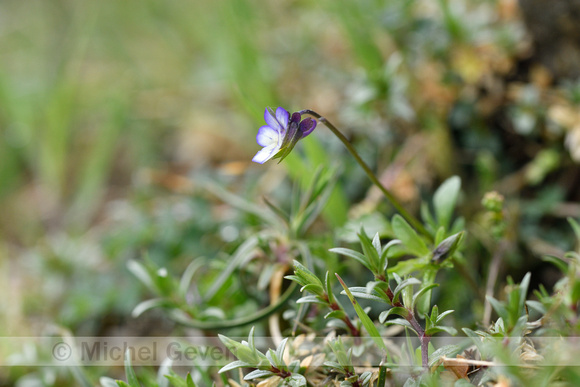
[{"x": 110, "y": 111}]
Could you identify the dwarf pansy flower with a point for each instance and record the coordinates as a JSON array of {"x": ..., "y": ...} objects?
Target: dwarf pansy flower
[{"x": 281, "y": 133}]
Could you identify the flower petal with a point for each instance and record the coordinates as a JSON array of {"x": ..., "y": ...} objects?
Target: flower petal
[
  {"x": 267, "y": 136},
  {"x": 307, "y": 126},
  {"x": 272, "y": 121},
  {"x": 282, "y": 116},
  {"x": 266, "y": 153}
]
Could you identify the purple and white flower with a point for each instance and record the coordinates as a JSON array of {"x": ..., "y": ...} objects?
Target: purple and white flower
[{"x": 281, "y": 134}]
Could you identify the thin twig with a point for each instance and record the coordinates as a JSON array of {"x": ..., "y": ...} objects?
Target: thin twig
[
  {"x": 492, "y": 278},
  {"x": 481, "y": 363},
  {"x": 390, "y": 197}
]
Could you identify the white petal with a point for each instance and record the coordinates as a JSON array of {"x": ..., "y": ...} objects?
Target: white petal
[
  {"x": 266, "y": 154},
  {"x": 267, "y": 136}
]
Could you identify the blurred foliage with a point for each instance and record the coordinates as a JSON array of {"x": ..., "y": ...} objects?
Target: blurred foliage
[{"x": 126, "y": 130}]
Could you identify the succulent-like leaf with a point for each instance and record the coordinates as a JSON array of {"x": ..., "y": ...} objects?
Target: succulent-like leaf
[
  {"x": 444, "y": 200},
  {"x": 409, "y": 237},
  {"x": 353, "y": 254},
  {"x": 374, "y": 295},
  {"x": 258, "y": 374},
  {"x": 129, "y": 372},
  {"x": 233, "y": 365},
  {"x": 370, "y": 250},
  {"x": 403, "y": 312},
  {"x": 310, "y": 299},
  {"x": 436, "y": 329}
]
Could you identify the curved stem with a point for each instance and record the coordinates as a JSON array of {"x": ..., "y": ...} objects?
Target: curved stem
[
  {"x": 227, "y": 324},
  {"x": 390, "y": 197}
]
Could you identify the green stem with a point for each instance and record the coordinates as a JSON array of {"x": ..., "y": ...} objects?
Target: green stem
[
  {"x": 394, "y": 202},
  {"x": 227, "y": 324}
]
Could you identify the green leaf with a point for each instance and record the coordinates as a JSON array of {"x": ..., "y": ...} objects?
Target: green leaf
[
  {"x": 443, "y": 315},
  {"x": 364, "y": 318},
  {"x": 165, "y": 369},
  {"x": 296, "y": 279},
  {"x": 251, "y": 342},
  {"x": 427, "y": 217},
  {"x": 400, "y": 321},
  {"x": 353, "y": 254},
  {"x": 189, "y": 381},
  {"x": 408, "y": 266},
  {"x": 301, "y": 271},
  {"x": 105, "y": 381},
  {"x": 439, "y": 235},
  {"x": 377, "y": 244},
  {"x": 499, "y": 307},
  {"x": 523, "y": 291},
  {"x": 280, "y": 349},
  {"x": 335, "y": 365},
  {"x": 383, "y": 261},
  {"x": 405, "y": 283},
  {"x": 403, "y": 312},
  {"x": 258, "y": 374},
  {"x": 424, "y": 303},
  {"x": 187, "y": 277},
  {"x": 129, "y": 372},
  {"x": 575, "y": 227},
  {"x": 556, "y": 261},
  {"x": 370, "y": 250},
  {"x": 538, "y": 306},
  {"x": 436, "y": 329},
  {"x": 175, "y": 380},
  {"x": 421, "y": 292},
  {"x": 409, "y": 237},
  {"x": 283, "y": 215},
  {"x": 311, "y": 299},
  {"x": 243, "y": 252},
  {"x": 243, "y": 352},
  {"x": 313, "y": 288},
  {"x": 144, "y": 306},
  {"x": 444, "y": 200},
  {"x": 274, "y": 359},
  {"x": 338, "y": 314},
  {"x": 447, "y": 350},
  {"x": 139, "y": 271},
  {"x": 234, "y": 365},
  {"x": 328, "y": 286},
  {"x": 296, "y": 380},
  {"x": 374, "y": 294}
]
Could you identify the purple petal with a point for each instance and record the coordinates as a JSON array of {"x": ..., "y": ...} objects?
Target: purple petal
[
  {"x": 282, "y": 116},
  {"x": 266, "y": 136},
  {"x": 266, "y": 154},
  {"x": 307, "y": 126},
  {"x": 273, "y": 122}
]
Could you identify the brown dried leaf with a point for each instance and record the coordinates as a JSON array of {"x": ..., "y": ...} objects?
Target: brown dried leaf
[{"x": 459, "y": 369}]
